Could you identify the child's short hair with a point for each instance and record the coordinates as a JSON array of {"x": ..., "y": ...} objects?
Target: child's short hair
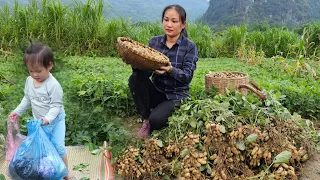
[{"x": 38, "y": 54}]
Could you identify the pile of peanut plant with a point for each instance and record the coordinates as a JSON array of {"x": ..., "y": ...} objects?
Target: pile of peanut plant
[{"x": 223, "y": 137}]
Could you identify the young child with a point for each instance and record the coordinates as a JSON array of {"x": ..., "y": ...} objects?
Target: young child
[{"x": 44, "y": 94}]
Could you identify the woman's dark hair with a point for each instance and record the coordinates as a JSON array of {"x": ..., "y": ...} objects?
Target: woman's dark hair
[
  {"x": 182, "y": 13},
  {"x": 38, "y": 54}
]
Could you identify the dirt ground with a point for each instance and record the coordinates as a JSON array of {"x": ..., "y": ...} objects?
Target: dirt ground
[{"x": 311, "y": 169}]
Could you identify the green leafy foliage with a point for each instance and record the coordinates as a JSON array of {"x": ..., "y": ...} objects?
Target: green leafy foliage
[
  {"x": 94, "y": 98},
  {"x": 81, "y": 167},
  {"x": 61, "y": 26},
  {"x": 2, "y": 177},
  {"x": 297, "y": 94},
  {"x": 227, "y": 110},
  {"x": 97, "y": 98},
  {"x": 2, "y": 145},
  {"x": 251, "y": 138},
  {"x": 283, "y": 157}
]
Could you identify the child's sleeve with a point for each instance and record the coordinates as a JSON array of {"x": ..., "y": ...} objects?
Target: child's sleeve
[
  {"x": 25, "y": 103},
  {"x": 56, "y": 103}
]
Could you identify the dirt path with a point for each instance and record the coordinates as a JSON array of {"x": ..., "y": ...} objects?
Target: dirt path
[{"x": 311, "y": 169}]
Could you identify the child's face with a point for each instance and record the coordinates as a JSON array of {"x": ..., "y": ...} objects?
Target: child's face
[{"x": 38, "y": 72}]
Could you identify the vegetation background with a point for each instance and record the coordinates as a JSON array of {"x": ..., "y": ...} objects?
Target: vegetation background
[
  {"x": 279, "y": 58},
  {"x": 139, "y": 10}
]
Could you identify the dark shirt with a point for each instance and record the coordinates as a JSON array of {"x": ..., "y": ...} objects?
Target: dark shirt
[{"x": 183, "y": 57}]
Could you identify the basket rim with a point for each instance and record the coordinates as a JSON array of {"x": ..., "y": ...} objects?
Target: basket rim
[
  {"x": 164, "y": 59},
  {"x": 236, "y": 72}
]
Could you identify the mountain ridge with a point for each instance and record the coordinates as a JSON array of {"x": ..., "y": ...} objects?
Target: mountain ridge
[
  {"x": 289, "y": 13},
  {"x": 155, "y": 7}
]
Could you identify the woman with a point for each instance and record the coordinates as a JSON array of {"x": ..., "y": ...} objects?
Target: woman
[{"x": 155, "y": 100}]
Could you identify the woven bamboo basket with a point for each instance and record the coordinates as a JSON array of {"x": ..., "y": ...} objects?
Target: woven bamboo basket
[
  {"x": 139, "y": 55},
  {"x": 232, "y": 80}
]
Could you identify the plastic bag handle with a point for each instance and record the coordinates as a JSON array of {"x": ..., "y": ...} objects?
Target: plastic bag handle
[{"x": 11, "y": 146}]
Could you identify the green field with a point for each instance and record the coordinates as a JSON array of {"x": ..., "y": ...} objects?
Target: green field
[
  {"x": 96, "y": 91},
  {"x": 284, "y": 63},
  {"x": 99, "y": 106}
]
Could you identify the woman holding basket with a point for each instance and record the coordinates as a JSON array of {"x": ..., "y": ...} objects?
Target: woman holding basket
[{"x": 157, "y": 98}]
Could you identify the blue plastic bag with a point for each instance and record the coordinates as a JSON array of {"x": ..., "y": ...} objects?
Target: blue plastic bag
[{"x": 37, "y": 157}]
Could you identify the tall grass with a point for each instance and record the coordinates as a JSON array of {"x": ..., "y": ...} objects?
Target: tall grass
[
  {"x": 309, "y": 42},
  {"x": 85, "y": 22},
  {"x": 203, "y": 38},
  {"x": 81, "y": 28},
  {"x": 75, "y": 29},
  {"x": 6, "y": 28},
  {"x": 142, "y": 32},
  {"x": 273, "y": 41},
  {"x": 235, "y": 37}
]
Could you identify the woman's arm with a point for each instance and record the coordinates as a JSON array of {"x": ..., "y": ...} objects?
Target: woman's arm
[{"x": 185, "y": 74}]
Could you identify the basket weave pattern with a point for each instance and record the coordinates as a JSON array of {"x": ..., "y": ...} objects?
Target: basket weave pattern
[
  {"x": 232, "y": 81},
  {"x": 139, "y": 55}
]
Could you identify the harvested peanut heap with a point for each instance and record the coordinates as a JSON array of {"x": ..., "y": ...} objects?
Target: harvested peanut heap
[
  {"x": 225, "y": 75},
  {"x": 243, "y": 152}
]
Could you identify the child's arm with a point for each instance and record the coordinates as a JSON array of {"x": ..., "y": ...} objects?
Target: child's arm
[
  {"x": 23, "y": 106},
  {"x": 56, "y": 103}
]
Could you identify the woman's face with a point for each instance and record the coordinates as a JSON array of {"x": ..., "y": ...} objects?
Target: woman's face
[{"x": 172, "y": 24}]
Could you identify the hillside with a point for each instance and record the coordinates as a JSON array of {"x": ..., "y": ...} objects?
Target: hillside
[
  {"x": 285, "y": 12},
  {"x": 315, "y": 4},
  {"x": 151, "y": 10},
  {"x": 140, "y": 10}
]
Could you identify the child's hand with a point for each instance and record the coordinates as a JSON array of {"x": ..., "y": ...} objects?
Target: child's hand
[
  {"x": 13, "y": 116},
  {"x": 45, "y": 121}
]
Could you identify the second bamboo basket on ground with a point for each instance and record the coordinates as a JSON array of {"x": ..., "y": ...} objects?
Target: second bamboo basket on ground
[{"x": 231, "y": 80}]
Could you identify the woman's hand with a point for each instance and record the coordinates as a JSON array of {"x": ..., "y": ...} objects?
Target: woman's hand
[
  {"x": 164, "y": 69},
  {"x": 13, "y": 116}
]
